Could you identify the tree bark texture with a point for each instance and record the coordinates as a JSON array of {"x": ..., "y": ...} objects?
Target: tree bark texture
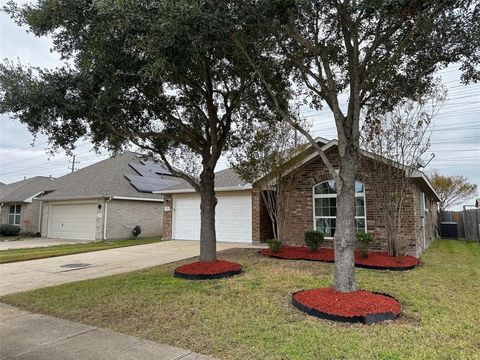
[
  {"x": 345, "y": 236},
  {"x": 208, "y": 202}
]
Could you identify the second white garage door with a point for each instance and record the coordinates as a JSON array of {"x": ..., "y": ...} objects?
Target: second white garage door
[
  {"x": 233, "y": 218},
  {"x": 76, "y": 221}
]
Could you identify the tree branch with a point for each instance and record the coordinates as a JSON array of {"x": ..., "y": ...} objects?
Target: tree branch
[{"x": 284, "y": 114}]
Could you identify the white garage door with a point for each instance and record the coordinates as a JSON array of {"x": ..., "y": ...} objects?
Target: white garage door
[
  {"x": 233, "y": 219},
  {"x": 77, "y": 222}
]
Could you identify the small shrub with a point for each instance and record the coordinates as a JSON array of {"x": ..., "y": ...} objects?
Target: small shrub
[
  {"x": 9, "y": 230},
  {"x": 364, "y": 240},
  {"x": 275, "y": 245},
  {"x": 26, "y": 234},
  {"x": 313, "y": 239}
]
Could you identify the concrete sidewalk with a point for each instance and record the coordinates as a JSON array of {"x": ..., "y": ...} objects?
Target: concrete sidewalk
[
  {"x": 28, "y": 336},
  {"x": 34, "y": 274}
]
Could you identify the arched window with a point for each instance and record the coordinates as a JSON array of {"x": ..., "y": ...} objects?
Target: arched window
[{"x": 325, "y": 207}]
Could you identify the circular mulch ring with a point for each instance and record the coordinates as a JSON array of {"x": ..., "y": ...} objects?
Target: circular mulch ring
[
  {"x": 357, "y": 306},
  {"x": 203, "y": 270},
  {"x": 375, "y": 260}
]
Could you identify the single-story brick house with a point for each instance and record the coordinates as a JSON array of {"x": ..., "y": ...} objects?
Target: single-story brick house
[
  {"x": 106, "y": 200},
  {"x": 18, "y": 206},
  {"x": 241, "y": 215}
]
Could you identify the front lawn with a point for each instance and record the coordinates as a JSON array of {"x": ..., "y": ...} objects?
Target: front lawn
[
  {"x": 12, "y": 255},
  {"x": 9, "y": 238},
  {"x": 251, "y": 317}
]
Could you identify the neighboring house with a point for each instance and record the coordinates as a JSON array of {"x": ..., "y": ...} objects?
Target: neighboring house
[
  {"x": 17, "y": 204},
  {"x": 106, "y": 200},
  {"x": 241, "y": 215}
]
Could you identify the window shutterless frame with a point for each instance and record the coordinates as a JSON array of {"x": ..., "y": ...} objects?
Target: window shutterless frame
[
  {"x": 324, "y": 207},
  {"x": 14, "y": 214}
]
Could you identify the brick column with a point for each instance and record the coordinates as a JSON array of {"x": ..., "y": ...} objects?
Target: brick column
[
  {"x": 167, "y": 217},
  {"x": 256, "y": 216}
]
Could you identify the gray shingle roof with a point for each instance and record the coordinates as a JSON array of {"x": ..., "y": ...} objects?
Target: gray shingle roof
[
  {"x": 25, "y": 189},
  {"x": 107, "y": 178},
  {"x": 224, "y": 179}
]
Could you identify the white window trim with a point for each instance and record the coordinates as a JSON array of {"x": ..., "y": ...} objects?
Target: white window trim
[
  {"x": 325, "y": 196},
  {"x": 15, "y": 214}
]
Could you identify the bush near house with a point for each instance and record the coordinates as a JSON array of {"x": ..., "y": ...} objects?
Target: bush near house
[
  {"x": 364, "y": 240},
  {"x": 313, "y": 239},
  {"x": 9, "y": 230},
  {"x": 275, "y": 245}
]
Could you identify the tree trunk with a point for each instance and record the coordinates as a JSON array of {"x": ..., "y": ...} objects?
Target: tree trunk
[
  {"x": 345, "y": 233},
  {"x": 208, "y": 202}
]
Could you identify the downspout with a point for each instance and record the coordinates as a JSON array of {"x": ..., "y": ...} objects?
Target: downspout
[{"x": 105, "y": 217}]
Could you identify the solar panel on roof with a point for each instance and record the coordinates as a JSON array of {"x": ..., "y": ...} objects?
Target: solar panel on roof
[
  {"x": 156, "y": 167},
  {"x": 143, "y": 170},
  {"x": 150, "y": 176},
  {"x": 150, "y": 184}
]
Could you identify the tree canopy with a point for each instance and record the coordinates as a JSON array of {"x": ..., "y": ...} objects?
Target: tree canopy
[
  {"x": 452, "y": 190},
  {"x": 162, "y": 75},
  {"x": 377, "y": 54}
]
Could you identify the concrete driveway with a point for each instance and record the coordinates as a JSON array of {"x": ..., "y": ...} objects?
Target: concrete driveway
[
  {"x": 36, "y": 242},
  {"x": 34, "y": 274}
]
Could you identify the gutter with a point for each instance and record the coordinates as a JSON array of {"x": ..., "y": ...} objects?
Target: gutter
[
  {"x": 135, "y": 198},
  {"x": 95, "y": 197},
  {"x": 105, "y": 217},
  {"x": 225, "y": 188},
  {"x": 429, "y": 185}
]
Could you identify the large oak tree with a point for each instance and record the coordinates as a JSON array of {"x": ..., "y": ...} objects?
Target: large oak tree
[{"x": 162, "y": 75}]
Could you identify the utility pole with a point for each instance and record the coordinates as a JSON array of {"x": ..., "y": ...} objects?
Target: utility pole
[{"x": 73, "y": 168}]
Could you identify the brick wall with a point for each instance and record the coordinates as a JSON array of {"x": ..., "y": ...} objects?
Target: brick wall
[
  {"x": 298, "y": 203},
  {"x": 29, "y": 216},
  {"x": 124, "y": 215},
  {"x": 261, "y": 223}
]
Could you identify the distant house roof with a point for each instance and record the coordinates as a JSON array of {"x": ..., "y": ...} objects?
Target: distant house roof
[
  {"x": 225, "y": 180},
  {"x": 25, "y": 190},
  {"x": 119, "y": 176}
]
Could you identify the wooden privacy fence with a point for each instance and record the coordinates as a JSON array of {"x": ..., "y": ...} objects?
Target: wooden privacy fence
[{"x": 468, "y": 222}]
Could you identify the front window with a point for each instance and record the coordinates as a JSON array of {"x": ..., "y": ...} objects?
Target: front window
[
  {"x": 14, "y": 214},
  {"x": 325, "y": 207}
]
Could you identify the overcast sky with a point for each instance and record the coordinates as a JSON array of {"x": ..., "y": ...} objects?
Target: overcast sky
[{"x": 455, "y": 135}]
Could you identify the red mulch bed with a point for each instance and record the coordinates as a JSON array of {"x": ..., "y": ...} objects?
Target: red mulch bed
[
  {"x": 375, "y": 259},
  {"x": 208, "y": 269},
  {"x": 355, "y": 305}
]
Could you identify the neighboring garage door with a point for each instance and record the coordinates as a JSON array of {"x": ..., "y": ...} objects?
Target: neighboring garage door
[
  {"x": 76, "y": 221},
  {"x": 233, "y": 219}
]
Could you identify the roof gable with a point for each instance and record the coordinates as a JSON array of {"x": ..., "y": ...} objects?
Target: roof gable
[
  {"x": 25, "y": 190},
  {"x": 418, "y": 175}
]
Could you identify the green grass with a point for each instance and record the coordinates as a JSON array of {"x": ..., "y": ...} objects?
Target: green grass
[
  {"x": 9, "y": 238},
  {"x": 13, "y": 255},
  {"x": 251, "y": 317}
]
